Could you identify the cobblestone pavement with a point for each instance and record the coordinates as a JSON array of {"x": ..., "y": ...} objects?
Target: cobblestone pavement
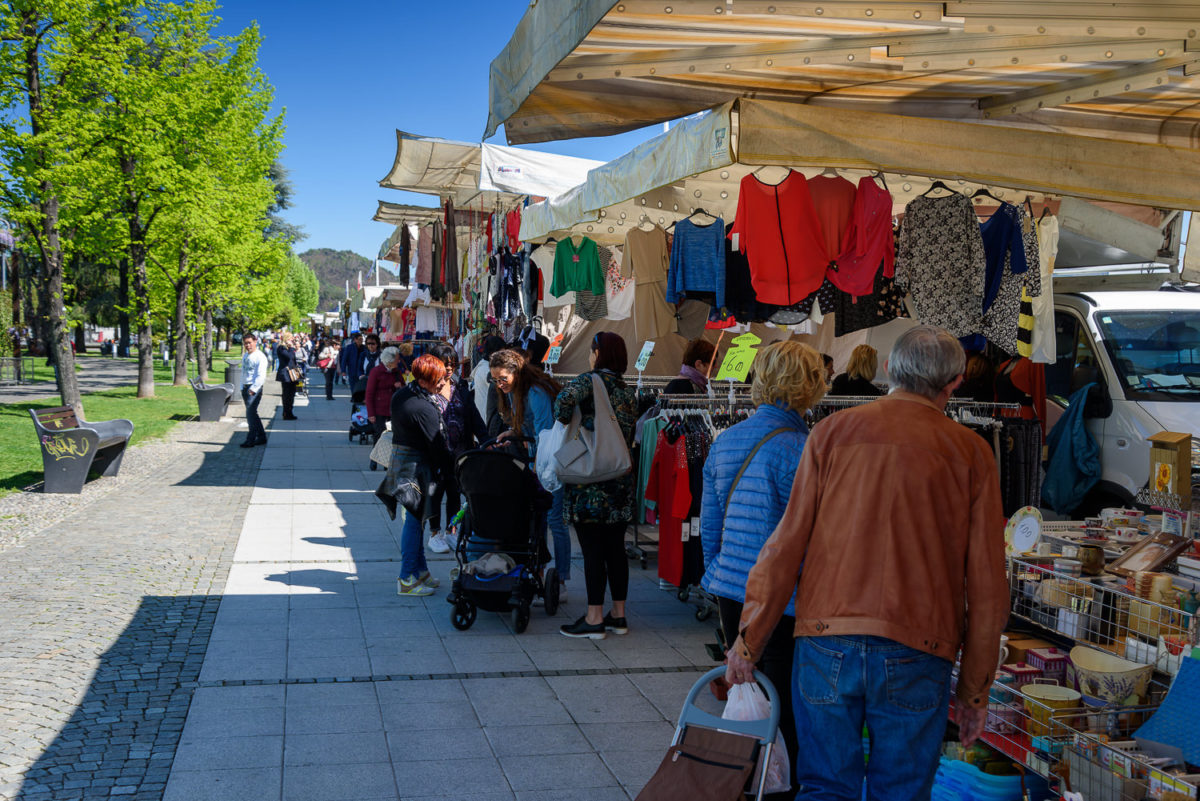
[{"x": 106, "y": 617}]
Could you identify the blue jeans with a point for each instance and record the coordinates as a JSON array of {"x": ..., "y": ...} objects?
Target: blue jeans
[
  {"x": 412, "y": 547},
  {"x": 562, "y": 536},
  {"x": 901, "y": 695},
  {"x": 256, "y": 433}
]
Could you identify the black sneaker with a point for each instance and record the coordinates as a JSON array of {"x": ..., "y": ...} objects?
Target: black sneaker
[
  {"x": 617, "y": 625},
  {"x": 581, "y": 628}
]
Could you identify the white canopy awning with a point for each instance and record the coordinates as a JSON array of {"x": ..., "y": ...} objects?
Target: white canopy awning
[{"x": 480, "y": 175}]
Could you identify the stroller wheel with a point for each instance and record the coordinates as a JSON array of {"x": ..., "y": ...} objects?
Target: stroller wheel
[
  {"x": 373, "y": 467},
  {"x": 462, "y": 617},
  {"x": 550, "y": 590},
  {"x": 683, "y": 594},
  {"x": 520, "y": 618},
  {"x": 703, "y": 613}
]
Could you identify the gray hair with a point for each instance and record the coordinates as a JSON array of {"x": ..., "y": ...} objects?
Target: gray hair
[
  {"x": 390, "y": 355},
  {"x": 925, "y": 359}
]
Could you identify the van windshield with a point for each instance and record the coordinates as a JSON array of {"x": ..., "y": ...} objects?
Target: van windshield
[{"x": 1156, "y": 353}]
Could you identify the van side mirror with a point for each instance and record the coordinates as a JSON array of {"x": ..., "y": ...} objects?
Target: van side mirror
[{"x": 1098, "y": 405}]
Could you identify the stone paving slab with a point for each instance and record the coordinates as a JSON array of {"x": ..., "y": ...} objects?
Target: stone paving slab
[{"x": 382, "y": 694}]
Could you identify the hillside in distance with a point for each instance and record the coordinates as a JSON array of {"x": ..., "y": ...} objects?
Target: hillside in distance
[{"x": 334, "y": 268}]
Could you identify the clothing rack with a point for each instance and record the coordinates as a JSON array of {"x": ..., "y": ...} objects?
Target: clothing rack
[{"x": 953, "y": 403}]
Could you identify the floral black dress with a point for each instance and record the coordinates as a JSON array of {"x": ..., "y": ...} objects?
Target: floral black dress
[{"x": 609, "y": 501}]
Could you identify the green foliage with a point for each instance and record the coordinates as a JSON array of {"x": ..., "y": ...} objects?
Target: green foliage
[
  {"x": 302, "y": 289},
  {"x": 6, "y": 322}
]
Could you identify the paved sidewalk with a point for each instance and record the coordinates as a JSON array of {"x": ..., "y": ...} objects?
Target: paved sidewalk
[{"x": 321, "y": 684}]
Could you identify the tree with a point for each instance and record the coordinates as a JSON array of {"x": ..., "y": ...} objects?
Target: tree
[
  {"x": 302, "y": 289},
  {"x": 53, "y": 53}
]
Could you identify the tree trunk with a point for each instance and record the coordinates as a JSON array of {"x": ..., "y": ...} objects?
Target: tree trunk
[
  {"x": 17, "y": 285},
  {"x": 205, "y": 361},
  {"x": 145, "y": 341},
  {"x": 80, "y": 339},
  {"x": 123, "y": 310},
  {"x": 182, "y": 288},
  {"x": 229, "y": 339}
]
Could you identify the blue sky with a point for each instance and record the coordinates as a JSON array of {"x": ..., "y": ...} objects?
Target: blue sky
[{"x": 349, "y": 74}]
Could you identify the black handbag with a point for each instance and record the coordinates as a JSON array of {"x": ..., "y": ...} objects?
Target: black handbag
[{"x": 410, "y": 485}]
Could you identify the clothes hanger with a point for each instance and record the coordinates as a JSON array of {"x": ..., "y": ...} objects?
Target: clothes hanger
[
  {"x": 879, "y": 175},
  {"x": 983, "y": 192},
  {"x": 786, "y": 175},
  {"x": 1045, "y": 211},
  {"x": 830, "y": 172},
  {"x": 1029, "y": 204},
  {"x": 936, "y": 186}
]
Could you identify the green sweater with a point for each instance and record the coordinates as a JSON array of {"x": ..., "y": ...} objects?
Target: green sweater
[{"x": 577, "y": 268}]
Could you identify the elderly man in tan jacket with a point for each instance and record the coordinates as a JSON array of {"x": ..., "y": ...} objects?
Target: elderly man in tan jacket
[{"x": 894, "y": 536}]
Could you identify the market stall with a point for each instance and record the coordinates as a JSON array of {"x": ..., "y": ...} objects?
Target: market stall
[{"x": 842, "y": 156}]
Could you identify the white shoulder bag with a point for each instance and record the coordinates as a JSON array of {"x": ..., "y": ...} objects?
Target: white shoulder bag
[{"x": 589, "y": 457}]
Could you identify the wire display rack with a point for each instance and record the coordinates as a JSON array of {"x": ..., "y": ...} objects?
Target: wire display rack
[
  {"x": 1104, "y": 613},
  {"x": 1103, "y": 762}
]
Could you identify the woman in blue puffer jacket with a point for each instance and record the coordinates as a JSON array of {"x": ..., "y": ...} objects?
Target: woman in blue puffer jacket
[{"x": 747, "y": 481}]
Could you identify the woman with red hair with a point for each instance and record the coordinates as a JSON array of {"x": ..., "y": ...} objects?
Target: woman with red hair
[{"x": 418, "y": 447}]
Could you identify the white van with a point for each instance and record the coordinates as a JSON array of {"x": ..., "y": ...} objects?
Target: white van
[{"x": 1144, "y": 349}]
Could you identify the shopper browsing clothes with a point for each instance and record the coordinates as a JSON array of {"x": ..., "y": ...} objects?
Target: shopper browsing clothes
[
  {"x": 464, "y": 427},
  {"x": 418, "y": 444},
  {"x": 524, "y": 396},
  {"x": 747, "y": 479},
  {"x": 382, "y": 382},
  {"x": 693, "y": 373},
  {"x": 327, "y": 360},
  {"x": 285, "y": 357},
  {"x": 601, "y": 512},
  {"x": 860, "y": 374},
  {"x": 895, "y": 517}
]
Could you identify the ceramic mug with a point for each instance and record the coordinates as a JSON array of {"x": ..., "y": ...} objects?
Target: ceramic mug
[
  {"x": 1091, "y": 558},
  {"x": 1003, "y": 651}
]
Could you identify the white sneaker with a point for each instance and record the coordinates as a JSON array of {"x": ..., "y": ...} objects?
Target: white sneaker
[
  {"x": 451, "y": 540},
  {"x": 438, "y": 544},
  {"x": 428, "y": 580},
  {"x": 412, "y": 586},
  {"x": 562, "y": 593}
]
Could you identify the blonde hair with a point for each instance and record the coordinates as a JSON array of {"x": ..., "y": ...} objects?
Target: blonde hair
[
  {"x": 790, "y": 373},
  {"x": 406, "y": 349},
  {"x": 864, "y": 363}
]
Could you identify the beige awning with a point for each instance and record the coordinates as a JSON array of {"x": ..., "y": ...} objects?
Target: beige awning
[
  {"x": 1122, "y": 70},
  {"x": 401, "y": 213}
]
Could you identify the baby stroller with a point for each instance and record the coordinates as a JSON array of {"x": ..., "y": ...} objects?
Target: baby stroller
[
  {"x": 503, "y": 505},
  {"x": 360, "y": 426}
]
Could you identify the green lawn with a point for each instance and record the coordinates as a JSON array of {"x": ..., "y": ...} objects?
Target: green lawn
[{"x": 20, "y": 458}]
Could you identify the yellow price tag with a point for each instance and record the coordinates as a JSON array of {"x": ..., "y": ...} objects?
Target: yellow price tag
[{"x": 739, "y": 358}]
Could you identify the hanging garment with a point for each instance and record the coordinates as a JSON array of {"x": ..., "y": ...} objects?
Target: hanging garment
[
  {"x": 1003, "y": 247},
  {"x": 1074, "y": 464},
  {"x": 1043, "y": 341},
  {"x": 941, "y": 263},
  {"x": 1001, "y": 320},
  {"x": 619, "y": 288},
  {"x": 543, "y": 257},
  {"x": 778, "y": 229},
  {"x": 1020, "y": 465},
  {"x": 402, "y": 274},
  {"x": 868, "y": 243},
  {"x": 669, "y": 487},
  {"x": 884, "y": 304},
  {"x": 451, "y": 268},
  {"x": 437, "y": 286},
  {"x": 577, "y": 266},
  {"x": 833, "y": 200},
  {"x": 697, "y": 261},
  {"x": 1021, "y": 381},
  {"x": 648, "y": 257},
  {"x": 512, "y": 230},
  {"x": 425, "y": 255},
  {"x": 740, "y": 298}
]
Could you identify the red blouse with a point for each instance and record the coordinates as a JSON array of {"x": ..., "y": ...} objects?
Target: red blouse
[{"x": 779, "y": 231}]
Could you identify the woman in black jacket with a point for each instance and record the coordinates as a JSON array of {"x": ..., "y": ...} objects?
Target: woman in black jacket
[
  {"x": 285, "y": 356},
  {"x": 418, "y": 440},
  {"x": 859, "y": 375}
]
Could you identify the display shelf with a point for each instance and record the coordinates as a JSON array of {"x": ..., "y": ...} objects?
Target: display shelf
[{"x": 1102, "y": 613}]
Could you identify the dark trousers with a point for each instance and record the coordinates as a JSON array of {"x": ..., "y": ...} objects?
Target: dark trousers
[
  {"x": 604, "y": 560},
  {"x": 256, "y": 432},
  {"x": 330, "y": 373},
  {"x": 776, "y": 663},
  {"x": 289, "y": 396}
]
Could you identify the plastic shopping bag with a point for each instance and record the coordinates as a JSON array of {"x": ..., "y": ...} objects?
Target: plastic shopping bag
[
  {"x": 549, "y": 441},
  {"x": 747, "y": 702}
]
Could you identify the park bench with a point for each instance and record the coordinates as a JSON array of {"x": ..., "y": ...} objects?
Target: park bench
[
  {"x": 213, "y": 399},
  {"x": 72, "y": 448}
]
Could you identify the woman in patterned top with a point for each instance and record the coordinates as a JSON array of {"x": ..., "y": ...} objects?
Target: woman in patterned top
[{"x": 602, "y": 511}]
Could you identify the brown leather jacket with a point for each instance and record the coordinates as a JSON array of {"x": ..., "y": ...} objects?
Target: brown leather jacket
[{"x": 895, "y": 516}]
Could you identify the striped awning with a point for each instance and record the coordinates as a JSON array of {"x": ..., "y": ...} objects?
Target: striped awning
[{"x": 1119, "y": 70}]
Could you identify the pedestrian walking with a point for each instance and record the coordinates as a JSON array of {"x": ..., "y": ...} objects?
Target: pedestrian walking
[
  {"x": 747, "y": 479},
  {"x": 254, "y": 375},
  {"x": 382, "y": 383},
  {"x": 892, "y": 500}
]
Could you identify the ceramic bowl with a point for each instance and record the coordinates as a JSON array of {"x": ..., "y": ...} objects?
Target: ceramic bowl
[
  {"x": 1126, "y": 535},
  {"x": 1108, "y": 679}
]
